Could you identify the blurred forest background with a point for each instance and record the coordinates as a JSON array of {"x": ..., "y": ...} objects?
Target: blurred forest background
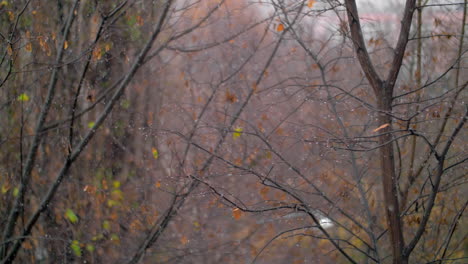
[{"x": 233, "y": 131}]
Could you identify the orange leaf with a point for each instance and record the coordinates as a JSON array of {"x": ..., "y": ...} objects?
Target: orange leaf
[
  {"x": 280, "y": 27},
  {"x": 97, "y": 53},
  {"x": 264, "y": 191},
  {"x": 27, "y": 245},
  {"x": 140, "y": 21},
  {"x": 254, "y": 87},
  {"x": 29, "y": 47},
  {"x": 311, "y": 3},
  {"x": 237, "y": 213},
  {"x": 381, "y": 127},
  {"x": 279, "y": 131},
  {"x": 9, "y": 50},
  {"x": 184, "y": 240},
  {"x": 90, "y": 189}
]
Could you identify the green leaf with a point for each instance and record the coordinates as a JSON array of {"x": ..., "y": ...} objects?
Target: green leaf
[
  {"x": 75, "y": 247},
  {"x": 114, "y": 237},
  {"x": 15, "y": 191},
  {"x": 71, "y": 216},
  {"x": 155, "y": 153},
  {"x": 125, "y": 104},
  {"x": 111, "y": 203},
  {"x": 90, "y": 247},
  {"x": 237, "y": 132},
  {"x": 106, "y": 225},
  {"x": 97, "y": 237},
  {"x": 91, "y": 124},
  {"x": 23, "y": 97}
]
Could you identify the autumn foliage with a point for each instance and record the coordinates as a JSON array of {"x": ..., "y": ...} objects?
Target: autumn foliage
[{"x": 227, "y": 131}]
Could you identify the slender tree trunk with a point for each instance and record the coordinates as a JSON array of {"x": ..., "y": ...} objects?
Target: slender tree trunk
[{"x": 389, "y": 181}]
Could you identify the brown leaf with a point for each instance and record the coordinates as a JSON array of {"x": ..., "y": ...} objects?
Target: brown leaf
[{"x": 230, "y": 97}]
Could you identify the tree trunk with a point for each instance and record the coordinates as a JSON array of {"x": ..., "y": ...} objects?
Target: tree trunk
[{"x": 389, "y": 181}]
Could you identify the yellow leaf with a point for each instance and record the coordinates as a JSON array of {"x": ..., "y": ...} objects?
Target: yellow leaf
[
  {"x": 311, "y": 3},
  {"x": 23, "y": 97},
  {"x": 116, "y": 184},
  {"x": 155, "y": 153},
  {"x": 280, "y": 28},
  {"x": 237, "y": 213},
  {"x": 5, "y": 188},
  {"x": 237, "y": 132},
  {"x": 65, "y": 45},
  {"x": 11, "y": 15},
  {"x": 381, "y": 127}
]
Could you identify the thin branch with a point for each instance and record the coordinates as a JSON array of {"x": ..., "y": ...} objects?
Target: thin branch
[{"x": 435, "y": 187}]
